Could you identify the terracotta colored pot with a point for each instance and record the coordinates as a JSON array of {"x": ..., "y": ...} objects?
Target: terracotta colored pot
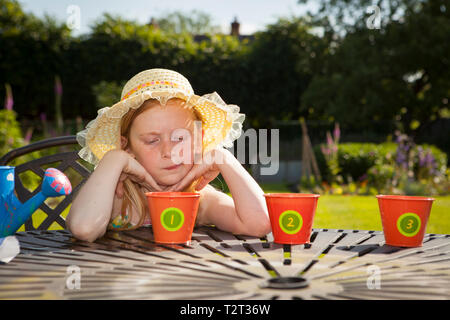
[
  {"x": 173, "y": 215},
  {"x": 291, "y": 216},
  {"x": 404, "y": 219}
]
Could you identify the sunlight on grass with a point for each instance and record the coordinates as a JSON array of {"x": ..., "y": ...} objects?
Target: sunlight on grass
[{"x": 347, "y": 212}]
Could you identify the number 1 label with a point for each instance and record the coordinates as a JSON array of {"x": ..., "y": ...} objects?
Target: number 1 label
[{"x": 172, "y": 219}]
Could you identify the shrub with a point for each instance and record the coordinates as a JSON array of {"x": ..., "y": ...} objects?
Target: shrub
[
  {"x": 10, "y": 132},
  {"x": 391, "y": 168},
  {"x": 355, "y": 159},
  {"x": 380, "y": 177},
  {"x": 11, "y": 138}
]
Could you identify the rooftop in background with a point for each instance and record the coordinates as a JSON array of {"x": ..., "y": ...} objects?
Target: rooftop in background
[{"x": 234, "y": 31}]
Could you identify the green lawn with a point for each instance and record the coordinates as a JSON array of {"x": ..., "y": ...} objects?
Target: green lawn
[{"x": 361, "y": 212}]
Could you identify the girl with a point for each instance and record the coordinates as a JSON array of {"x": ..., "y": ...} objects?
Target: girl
[{"x": 137, "y": 145}]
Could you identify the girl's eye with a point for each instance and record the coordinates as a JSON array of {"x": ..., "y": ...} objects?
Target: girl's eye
[{"x": 151, "y": 141}]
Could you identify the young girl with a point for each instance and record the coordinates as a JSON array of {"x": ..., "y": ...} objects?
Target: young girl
[{"x": 137, "y": 145}]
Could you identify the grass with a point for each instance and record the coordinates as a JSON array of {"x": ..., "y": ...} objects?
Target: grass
[{"x": 339, "y": 212}]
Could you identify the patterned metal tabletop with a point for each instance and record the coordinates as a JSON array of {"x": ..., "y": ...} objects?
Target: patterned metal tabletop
[{"x": 337, "y": 264}]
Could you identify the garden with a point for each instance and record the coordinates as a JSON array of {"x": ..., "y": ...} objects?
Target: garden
[{"x": 375, "y": 101}]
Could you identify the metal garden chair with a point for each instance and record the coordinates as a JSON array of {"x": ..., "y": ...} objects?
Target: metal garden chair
[{"x": 68, "y": 162}]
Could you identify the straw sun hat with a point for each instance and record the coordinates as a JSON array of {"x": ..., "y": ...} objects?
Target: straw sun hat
[{"x": 221, "y": 122}]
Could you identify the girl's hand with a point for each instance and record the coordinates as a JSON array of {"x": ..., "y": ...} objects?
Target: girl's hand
[
  {"x": 206, "y": 171},
  {"x": 134, "y": 171}
]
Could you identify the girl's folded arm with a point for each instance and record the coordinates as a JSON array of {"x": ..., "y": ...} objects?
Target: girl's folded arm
[
  {"x": 91, "y": 209},
  {"x": 246, "y": 211},
  {"x": 248, "y": 197},
  {"x": 218, "y": 209}
]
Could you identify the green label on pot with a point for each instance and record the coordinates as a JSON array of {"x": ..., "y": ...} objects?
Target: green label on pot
[
  {"x": 290, "y": 221},
  {"x": 172, "y": 219},
  {"x": 408, "y": 224}
]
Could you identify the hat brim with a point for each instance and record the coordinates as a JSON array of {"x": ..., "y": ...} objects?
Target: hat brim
[{"x": 221, "y": 123}]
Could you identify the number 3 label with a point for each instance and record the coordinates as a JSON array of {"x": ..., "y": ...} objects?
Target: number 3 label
[
  {"x": 408, "y": 224},
  {"x": 290, "y": 221},
  {"x": 172, "y": 219}
]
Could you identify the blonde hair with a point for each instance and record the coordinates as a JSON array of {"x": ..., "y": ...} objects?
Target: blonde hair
[{"x": 133, "y": 194}]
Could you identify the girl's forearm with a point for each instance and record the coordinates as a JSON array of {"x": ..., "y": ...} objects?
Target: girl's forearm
[
  {"x": 91, "y": 210},
  {"x": 247, "y": 195}
]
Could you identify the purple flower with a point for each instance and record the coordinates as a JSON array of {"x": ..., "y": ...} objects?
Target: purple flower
[
  {"x": 58, "y": 86},
  {"x": 401, "y": 159},
  {"x": 421, "y": 161},
  {"x": 9, "y": 101},
  {"x": 429, "y": 159},
  {"x": 337, "y": 132},
  {"x": 329, "y": 139},
  {"x": 28, "y": 135},
  {"x": 325, "y": 151},
  {"x": 421, "y": 156}
]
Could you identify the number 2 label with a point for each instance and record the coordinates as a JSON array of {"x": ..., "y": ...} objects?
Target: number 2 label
[
  {"x": 290, "y": 225},
  {"x": 290, "y": 221}
]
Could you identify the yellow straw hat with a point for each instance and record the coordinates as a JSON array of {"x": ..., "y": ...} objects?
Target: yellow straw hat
[{"x": 221, "y": 122}]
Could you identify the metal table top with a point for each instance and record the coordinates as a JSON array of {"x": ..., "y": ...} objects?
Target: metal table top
[{"x": 337, "y": 264}]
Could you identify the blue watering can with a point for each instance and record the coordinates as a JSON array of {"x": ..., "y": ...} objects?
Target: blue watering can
[{"x": 13, "y": 213}]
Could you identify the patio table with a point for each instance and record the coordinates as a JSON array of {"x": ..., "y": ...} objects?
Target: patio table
[{"x": 336, "y": 264}]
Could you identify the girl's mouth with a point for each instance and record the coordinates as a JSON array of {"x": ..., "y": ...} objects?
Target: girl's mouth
[{"x": 173, "y": 167}]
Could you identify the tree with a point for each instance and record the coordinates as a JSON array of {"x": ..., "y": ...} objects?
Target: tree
[
  {"x": 30, "y": 56},
  {"x": 194, "y": 22},
  {"x": 14, "y": 21},
  {"x": 374, "y": 77},
  {"x": 282, "y": 60}
]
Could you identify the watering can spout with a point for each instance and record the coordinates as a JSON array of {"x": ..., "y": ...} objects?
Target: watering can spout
[{"x": 12, "y": 212}]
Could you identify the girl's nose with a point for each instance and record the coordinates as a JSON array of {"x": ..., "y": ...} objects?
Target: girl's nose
[{"x": 166, "y": 149}]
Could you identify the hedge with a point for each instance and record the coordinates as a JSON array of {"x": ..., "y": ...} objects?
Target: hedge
[{"x": 355, "y": 159}]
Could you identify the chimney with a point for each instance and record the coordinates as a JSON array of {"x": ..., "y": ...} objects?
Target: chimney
[
  {"x": 153, "y": 23},
  {"x": 235, "y": 27}
]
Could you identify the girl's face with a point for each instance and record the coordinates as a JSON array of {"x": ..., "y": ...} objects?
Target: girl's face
[{"x": 155, "y": 133}]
